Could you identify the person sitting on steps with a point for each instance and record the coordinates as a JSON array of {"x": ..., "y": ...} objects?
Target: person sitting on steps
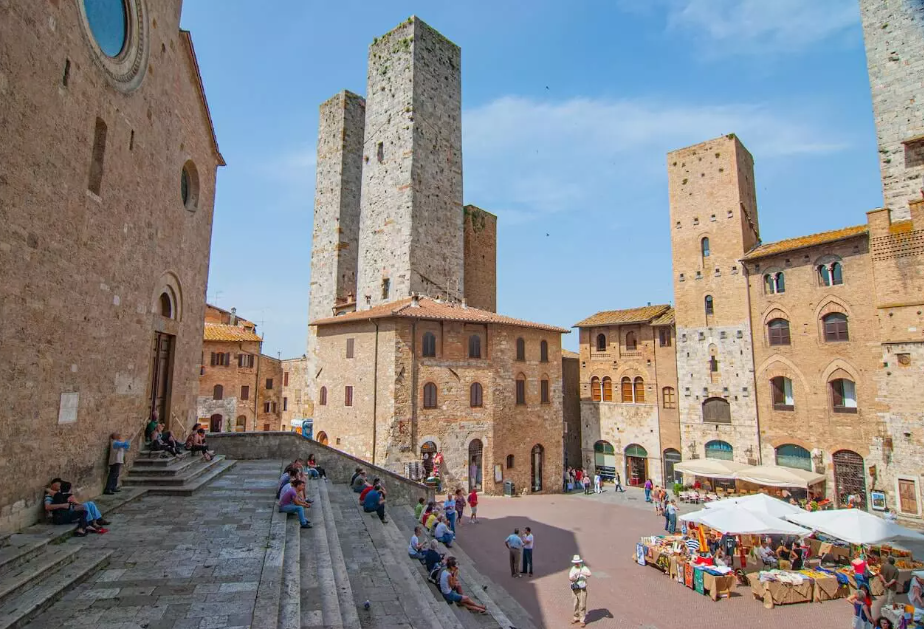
[
  {"x": 359, "y": 482},
  {"x": 416, "y": 549},
  {"x": 198, "y": 444},
  {"x": 433, "y": 561},
  {"x": 452, "y": 590},
  {"x": 64, "y": 508},
  {"x": 443, "y": 533},
  {"x": 313, "y": 469},
  {"x": 374, "y": 502},
  {"x": 289, "y": 502},
  {"x": 158, "y": 444}
]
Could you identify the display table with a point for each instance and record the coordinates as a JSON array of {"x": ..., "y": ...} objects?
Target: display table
[
  {"x": 777, "y": 593},
  {"x": 718, "y": 586},
  {"x": 828, "y": 589}
]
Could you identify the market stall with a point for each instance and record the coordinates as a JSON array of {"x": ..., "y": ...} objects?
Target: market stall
[{"x": 671, "y": 555}]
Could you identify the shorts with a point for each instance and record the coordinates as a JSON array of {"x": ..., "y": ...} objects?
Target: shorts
[
  {"x": 453, "y": 597},
  {"x": 475, "y": 510}
]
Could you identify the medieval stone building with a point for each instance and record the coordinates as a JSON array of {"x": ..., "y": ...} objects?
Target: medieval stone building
[
  {"x": 109, "y": 162},
  {"x": 405, "y": 354}
]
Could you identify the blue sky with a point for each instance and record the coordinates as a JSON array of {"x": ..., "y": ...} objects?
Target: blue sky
[{"x": 568, "y": 111}]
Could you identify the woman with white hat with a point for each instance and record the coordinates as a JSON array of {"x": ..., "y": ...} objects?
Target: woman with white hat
[{"x": 578, "y": 577}]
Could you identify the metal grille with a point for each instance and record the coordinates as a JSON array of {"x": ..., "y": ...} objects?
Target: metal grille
[{"x": 849, "y": 478}]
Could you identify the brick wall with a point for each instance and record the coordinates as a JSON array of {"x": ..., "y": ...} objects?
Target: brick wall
[
  {"x": 83, "y": 271},
  {"x": 269, "y": 417},
  {"x": 480, "y": 259},
  {"x": 237, "y": 414},
  {"x": 297, "y": 404}
]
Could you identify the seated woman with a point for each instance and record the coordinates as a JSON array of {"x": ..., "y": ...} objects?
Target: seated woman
[
  {"x": 158, "y": 444},
  {"x": 64, "y": 508},
  {"x": 452, "y": 590},
  {"x": 432, "y": 559},
  {"x": 198, "y": 444},
  {"x": 314, "y": 470}
]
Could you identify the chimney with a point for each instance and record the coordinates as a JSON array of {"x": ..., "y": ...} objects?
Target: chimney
[
  {"x": 415, "y": 300},
  {"x": 464, "y": 305},
  {"x": 233, "y": 316}
]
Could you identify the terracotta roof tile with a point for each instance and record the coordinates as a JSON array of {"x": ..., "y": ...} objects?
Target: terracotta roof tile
[
  {"x": 430, "y": 309},
  {"x": 221, "y": 332},
  {"x": 801, "y": 242},
  {"x": 567, "y": 353},
  {"x": 644, "y": 314},
  {"x": 667, "y": 318}
]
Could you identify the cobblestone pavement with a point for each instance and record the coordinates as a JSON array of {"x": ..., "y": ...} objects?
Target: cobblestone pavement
[
  {"x": 179, "y": 562},
  {"x": 621, "y": 594}
]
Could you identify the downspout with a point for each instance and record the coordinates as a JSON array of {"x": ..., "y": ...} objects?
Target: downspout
[
  {"x": 747, "y": 287},
  {"x": 256, "y": 385},
  {"x": 375, "y": 389},
  {"x": 414, "y": 389}
]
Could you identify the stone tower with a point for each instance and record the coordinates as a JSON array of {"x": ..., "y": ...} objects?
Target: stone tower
[
  {"x": 335, "y": 239},
  {"x": 713, "y": 209},
  {"x": 894, "y": 34},
  {"x": 411, "y": 230}
]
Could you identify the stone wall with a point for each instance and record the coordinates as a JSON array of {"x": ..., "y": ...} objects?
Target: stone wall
[
  {"x": 83, "y": 269},
  {"x": 297, "y": 404},
  {"x": 622, "y": 425},
  {"x": 269, "y": 417},
  {"x": 339, "y": 466},
  {"x": 480, "y": 259},
  {"x": 231, "y": 378},
  {"x": 411, "y": 232},
  {"x": 895, "y": 58},
  {"x": 571, "y": 407}
]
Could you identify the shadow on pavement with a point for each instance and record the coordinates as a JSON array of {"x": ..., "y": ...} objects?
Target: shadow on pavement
[{"x": 598, "y": 614}]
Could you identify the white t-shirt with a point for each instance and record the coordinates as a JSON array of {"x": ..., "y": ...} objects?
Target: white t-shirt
[
  {"x": 528, "y": 541},
  {"x": 444, "y": 582},
  {"x": 441, "y": 529},
  {"x": 412, "y": 549}
]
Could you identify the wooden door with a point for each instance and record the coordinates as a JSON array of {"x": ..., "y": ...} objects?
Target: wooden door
[
  {"x": 161, "y": 376},
  {"x": 907, "y": 497}
]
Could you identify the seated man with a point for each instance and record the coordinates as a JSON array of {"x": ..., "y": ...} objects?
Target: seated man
[
  {"x": 289, "y": 502},
  {"x": 374, "y": 502},
  {"x": 452, "y": 591},
  {"x": 442, "y": 532},
  {"x": 64, "y": 508},
  {"x": 432, "y": 520},
  {"x": 415, "y": 548},
  {"x": 160, "y": 444},
  {"x": 356, "y": 473},
  {"x": 767, "y": 557},
  {"x": 359, "y": 483},
  {"x": 197, "y": 444},
  {"x": 366, "y": 490}
]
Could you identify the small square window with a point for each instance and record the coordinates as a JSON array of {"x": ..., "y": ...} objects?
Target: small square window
[
  {"x": 712, "y": 218},
  {"x": 696, "y": 220},
  {"x": 681, "y": 277},
  {"x": 730, "y": 214},
  {"x": 678, "y": 224}
]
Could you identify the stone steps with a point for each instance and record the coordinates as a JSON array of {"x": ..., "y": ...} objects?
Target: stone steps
[
  {"x": 290, "y": 603},
  {"x": 183, "y": 481},
  {"x": 43, "y": 580},
  {"x": 269, "y": 592},
  {"x": 346, "y": 612}
]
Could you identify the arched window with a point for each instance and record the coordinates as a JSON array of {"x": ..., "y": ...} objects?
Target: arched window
[
  {"x": 544, "y": 352},
  {"x": 626, "y": 390},
  {"x": 830, "y": 274},
  {"x": 667, "y": 397},
  {"x": 631, "y": 342},
  {"x": 537, "y": 454},
  {"x": 509, "y": 461},
  {"x": 843, "y": 395},
  {"x": 704, "y": 245},
  {"x": 322, "y": 438},
  {"x": 791, "y": 455},
  {"x": 824, "y": 275},
  {"x": 639, "y": 390},
  {"x": 322, "y": 396},
  {"x": 429, "y": 395},
  {"x": 521, "y": 349},
  {"x": 474, "y": 346},
  {"x": 218, "y": 392},
  {"x": 710, "y": 306},
  {"x": 607, "y": 389},
  {"x": 835, "y": 327},
  {"x": 781, "y": 393},
  {"x": 837, "y": 274},
  {"x": 601, "y": 342},
  {"x": 716, "y": 410},
  {"x": 778, "y": 330},
  {"x": 521, "y": 390},
  {"x": 429, "y": 345},
  {"x": 595, "y": 389},
  {"x": 166, "y": 305},
  {"x": 476, "y": 395},
  {"x": 544, "y": 396},
  {"x": 240, "y": 424},
  {"x": 774, "y": 283},
  {"x": 720, "y": 450}
]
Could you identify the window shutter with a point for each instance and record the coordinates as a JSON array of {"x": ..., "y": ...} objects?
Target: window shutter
[{"x": 212, "y": 363}]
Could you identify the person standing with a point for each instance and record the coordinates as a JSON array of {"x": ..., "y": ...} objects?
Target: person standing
[
  {"x": 586, "y": 480},
  {"x": 889, "y": 576},
  {"x": 449, "y": 509},
  {"x": 618, "y": 482},
  {"x": 514, "y": 545},
  {"x": 597, "y": 488},
  {"x": 648, "y": 486},
  {"x": 862, "y": 603},
  {"x": 473, "y": 503},
  {"x": 528, "y": 552},
  {"x": 117, "y": 449},
  {"x": 671, "y": 517},
  {"x": 578, "y": 578}
]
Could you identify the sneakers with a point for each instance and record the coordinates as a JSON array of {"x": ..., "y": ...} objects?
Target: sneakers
[
  {"x": 109, "y": 493},
  {"x": 307, "y": 525}
]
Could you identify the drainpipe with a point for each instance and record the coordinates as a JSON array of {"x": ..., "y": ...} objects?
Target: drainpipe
[
  {"x": 375, "y": 389},
  {"x": 256, "y": 385},
  {"x": 414, "y": 389}
]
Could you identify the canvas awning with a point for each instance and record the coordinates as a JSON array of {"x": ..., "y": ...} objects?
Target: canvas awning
[
  {"x": 744, "y": 522},
  {"x": 856, "y": 526},
  {"x": 776, "y": 476},
  {"x": 710, "y": 468},
  {"x": 758, "y": 503}
]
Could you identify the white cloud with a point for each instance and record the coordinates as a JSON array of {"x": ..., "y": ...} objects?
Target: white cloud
[
  {"x": 760, "y": 26},
  {"x": 526, "y": 158}
]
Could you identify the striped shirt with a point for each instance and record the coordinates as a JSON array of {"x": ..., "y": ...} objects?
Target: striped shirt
[{"x": 692, "y": 545}]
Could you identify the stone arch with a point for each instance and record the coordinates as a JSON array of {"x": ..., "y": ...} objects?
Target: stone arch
[
  {"x": 839, "y": 368},
  {"x": 776, "y": 442},
  {"x": 631, "y": 371},
  {"x": 423, "y": 440},
  {"x": 828, "y": 258},
  {"x": 861, "y": 449},
  {"x": 829, "y": 304},
  {"x": 168, "y": 283},
  {"x": 769, "y": 369},
  {"x": 775, "y": 311}
]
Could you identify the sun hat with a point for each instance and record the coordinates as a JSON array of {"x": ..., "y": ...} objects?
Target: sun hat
[{"x": 577, "y": 559}]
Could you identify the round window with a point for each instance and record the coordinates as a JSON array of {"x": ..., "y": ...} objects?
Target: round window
[{"x": 108, "y": 23}]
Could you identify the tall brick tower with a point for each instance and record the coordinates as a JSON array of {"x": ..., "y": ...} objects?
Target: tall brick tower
[
  {"x": 713, "y": 224},
  {"x": 335, "y": 239},
  {"x": 894, "y": 34},
  {"x": 411, "y": 230}
]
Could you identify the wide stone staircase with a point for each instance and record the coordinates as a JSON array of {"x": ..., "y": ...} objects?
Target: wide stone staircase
[{"x": 164, "y": 474}]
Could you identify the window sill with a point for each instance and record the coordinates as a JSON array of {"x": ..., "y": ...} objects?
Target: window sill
[
  {"x": 728, "y": 423},
  {"x": 780, "y": 344},
  {"x": 843, "y": 341},
  {"x": 784, "y": 407},
  {"x": 845, "y": 409}
]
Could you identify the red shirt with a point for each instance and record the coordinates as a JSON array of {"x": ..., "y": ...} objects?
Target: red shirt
[
  {"x": 362, "y": 494},
  {"x": 473, "y": 499}
]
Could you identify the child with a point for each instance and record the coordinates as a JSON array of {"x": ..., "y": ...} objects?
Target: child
[
  {"x": 421, "y": 503},
  {"x": 117, "y": 450},
  {"x": 473, "y": 503}
]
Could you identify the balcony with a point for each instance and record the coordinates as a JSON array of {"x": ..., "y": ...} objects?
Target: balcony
[
  {"x": 600, "y": 355},
  {"x": 630, "y": 353}
]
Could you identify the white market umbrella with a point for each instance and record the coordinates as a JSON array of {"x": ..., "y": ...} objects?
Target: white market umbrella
[
  {"x": 776, "y": 476},
  {"x": 855, "y": 526},
  {"x": 758, "y": 503},
  {"x": 744, "y": 522},
  {"x": 710, "y": 468}
]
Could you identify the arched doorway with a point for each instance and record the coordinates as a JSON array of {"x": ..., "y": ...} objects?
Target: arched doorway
[
  {"x": 322, "y": 438},
  {"x": 636, "y": 464},
  {"x": 849, "y": 478},
  {"x": 215, "y": 423},
  {"x": 671, "y": 458},
  {"x": 475, "y": 449},
  {"x": 605, "y": 460},
  {"x": 240, "y": 424},
  {"x": 536, "y": 456},
  {"x": 427, "y": 452}
]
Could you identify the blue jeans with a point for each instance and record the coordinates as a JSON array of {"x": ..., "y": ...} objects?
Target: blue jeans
[
  {"x": 452, "y": 520},
  {"x": 672, "y": 524},
  {"x": 313, "y": 473},
  {"x": 417, "y": 555},
  {"x": 446, "y": 539},
  {"x": 527, "y": 560},
  {"x": 647, "y": 495},
  {"x": 92, "y": 512},
  {"x": 297, "y": 510}
]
